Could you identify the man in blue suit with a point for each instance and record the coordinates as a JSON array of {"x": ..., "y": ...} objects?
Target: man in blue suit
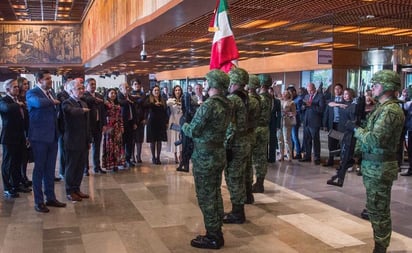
[{"x": 43, "y": 135}]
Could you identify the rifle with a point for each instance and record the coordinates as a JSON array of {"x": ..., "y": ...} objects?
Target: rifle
[
  {"x": 186, "y": 142},
  {"x": 348, "y": 142}
]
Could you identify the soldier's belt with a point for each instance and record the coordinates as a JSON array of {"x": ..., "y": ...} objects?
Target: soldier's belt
[
  {"x": 209, "y": 145},
  {"x": 379, "y": 157}
]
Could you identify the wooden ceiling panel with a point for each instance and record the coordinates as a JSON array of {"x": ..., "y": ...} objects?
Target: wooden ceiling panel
[{"x": 296, "y": 26}]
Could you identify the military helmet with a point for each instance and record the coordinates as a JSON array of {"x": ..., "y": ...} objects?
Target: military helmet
[
  {"x": 265, "y": 80},
  {"x": 389, "y": 79},
  {"x": 217, "y": 79},
  {"x": 254, "y": 82},
  {"x": 238, "y": 76}
]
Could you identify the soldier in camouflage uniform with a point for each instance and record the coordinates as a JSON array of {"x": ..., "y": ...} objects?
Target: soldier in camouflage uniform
[
  {"x": 208, "y": 129},
  {"x": 378, "y": 142},
  {"x": 254, "y": 116},
  {"x": 260, "y": 152},
  {"x": 238, "y": 144}
]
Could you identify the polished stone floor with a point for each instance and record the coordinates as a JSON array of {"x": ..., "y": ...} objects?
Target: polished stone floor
[{"x": 153, "y": 208}]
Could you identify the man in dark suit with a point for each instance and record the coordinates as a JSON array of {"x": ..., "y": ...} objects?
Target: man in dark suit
[
  {"x": 43, "y": 135},
  {"x": 313, "y": 106},
  {"x": 331, "y": 120},
  {"x": 97, "y": 117},
  {"x": 76, "y": 139},
  {"x": 12, "y": 139},
  {"x": 129, "y": 120}
]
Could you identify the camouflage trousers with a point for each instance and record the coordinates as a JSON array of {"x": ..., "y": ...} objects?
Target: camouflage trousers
[
  {"x": 208, "y": 166},
  {"x": 378, "y": 199},
  {"x": 249, "y": 163},
  {"x": 260, "y": 152},
  {"x": 235, "y": 172}
]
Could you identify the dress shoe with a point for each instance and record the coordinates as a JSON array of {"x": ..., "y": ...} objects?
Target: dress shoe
[
  {"x": 27, "y": 183},
  {"x": 297, "y": 157},
  {"x": 82, "y": 195},
  {"x": 182, "y": 169},
  {"x": 317, "y": 162},
  {"x": 74, "y": 197},
  {"x": 99, "y": 170},
  {"x": 407, "y": 174},
  {"x": 305, "y": 160},
  {"x": 271, "y": 160},
  {"x": 57, "y": 179},
  {"x": 158, "y": 161},
  {"x": 335, "y": 181},
  {"x": 11, "y": 194},
  {"x": 55, "y": 203},
  {"x": 139, "y": 161},
  {"x": 22, "y": 189},
  {"x": 41, "y": 208},
  {"x": 86, "y": 173},
  {"x": 130, "y": 164}
]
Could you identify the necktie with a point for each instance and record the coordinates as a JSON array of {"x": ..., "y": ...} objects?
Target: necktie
[
  {"x": 49, "y": 95},
  {"x": 310, "y": 98}
]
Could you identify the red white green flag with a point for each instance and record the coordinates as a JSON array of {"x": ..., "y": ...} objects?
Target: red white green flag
[{"x": 224, "y": 50}]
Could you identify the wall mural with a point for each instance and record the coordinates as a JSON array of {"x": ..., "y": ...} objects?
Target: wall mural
[{"x": 39, "y": 44}]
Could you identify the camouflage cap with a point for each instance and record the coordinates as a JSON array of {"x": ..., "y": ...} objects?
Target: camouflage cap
[
  {"x": 254, "y": 82},
  {"x": 217, "y": 79},
  {"x": 265, "y": 80},
  {"x": 389, "y": 79},
  {"x": 238, "y": 76}
]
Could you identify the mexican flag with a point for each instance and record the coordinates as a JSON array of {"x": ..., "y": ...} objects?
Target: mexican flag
[{"x": 224, "y": 51}]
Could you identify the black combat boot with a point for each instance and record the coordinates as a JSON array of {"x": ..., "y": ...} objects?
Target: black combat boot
[
  {"x": 249, "y": 195},
  {"x": 212, "y": 240},
  {"x": 379, "y": 248},
  {"x": 258, "y": 186},
  {"x": 365, "y": 214},
  {"x": 236, "y": 216}
]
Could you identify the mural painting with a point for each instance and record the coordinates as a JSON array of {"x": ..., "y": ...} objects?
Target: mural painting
[{"x": 32, "y": 44}]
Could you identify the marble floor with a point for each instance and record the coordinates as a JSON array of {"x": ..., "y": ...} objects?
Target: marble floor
[{"x": 153, "y": 208}]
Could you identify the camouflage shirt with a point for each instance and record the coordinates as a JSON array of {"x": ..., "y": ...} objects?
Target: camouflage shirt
[
  {"x": 210, "y": 121},
  {"x": 265, "y": 109},
  {"x": 379, "y": 140},
  {"x": 238, "y": 124},
  {"x": 254, "y": 110}
]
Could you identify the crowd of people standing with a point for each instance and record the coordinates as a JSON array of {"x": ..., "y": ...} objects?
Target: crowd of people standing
[{"x": 236, "y": 129}]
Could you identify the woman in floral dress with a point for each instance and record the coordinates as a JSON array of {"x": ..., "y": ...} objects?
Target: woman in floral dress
[{"x": 113, "y": 151}]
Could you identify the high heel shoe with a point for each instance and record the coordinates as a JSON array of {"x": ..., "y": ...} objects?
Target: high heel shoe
[
  {"x": 154, "y": 160},
  {"x": 158, "y": 161}
]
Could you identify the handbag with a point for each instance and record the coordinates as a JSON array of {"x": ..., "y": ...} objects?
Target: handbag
[{"x": 290, "y": 120}]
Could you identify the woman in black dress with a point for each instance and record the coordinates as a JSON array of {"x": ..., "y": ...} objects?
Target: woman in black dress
[{"x": 157, "y": 121}]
